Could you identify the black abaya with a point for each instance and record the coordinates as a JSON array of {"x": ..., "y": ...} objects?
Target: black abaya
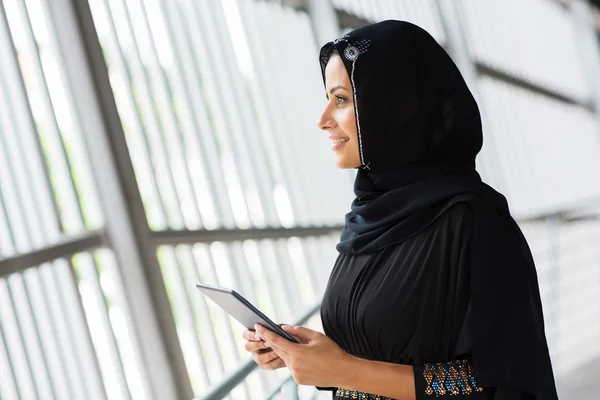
[
  {"x": 433, "y": 271},
  {"x": 410, "y": 303}
]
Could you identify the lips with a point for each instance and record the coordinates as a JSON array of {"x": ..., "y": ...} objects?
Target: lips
[{"x": 339, "y": 140}]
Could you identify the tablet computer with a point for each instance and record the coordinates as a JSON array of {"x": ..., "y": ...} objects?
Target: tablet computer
[{"x": 241, "y": 309}]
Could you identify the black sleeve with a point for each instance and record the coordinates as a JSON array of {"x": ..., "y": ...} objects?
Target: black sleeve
[
  {"x": 457, "y": 380},
  {"x": 330, "y": 389},
  {"x": 452, "y": 379},
  {"x": 508, "y": 343},
  {"x": 447, "y": 379}
]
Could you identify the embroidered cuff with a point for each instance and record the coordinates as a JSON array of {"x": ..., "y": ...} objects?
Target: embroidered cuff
[
  {"x": 354, "y": 394},
  {"x": 450, "y": 378}
]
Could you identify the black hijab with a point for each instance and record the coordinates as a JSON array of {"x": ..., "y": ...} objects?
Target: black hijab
[{"x": 419, "y": 131}]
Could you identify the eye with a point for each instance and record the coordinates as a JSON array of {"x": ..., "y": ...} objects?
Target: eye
[{"x": 340, "y": 100}]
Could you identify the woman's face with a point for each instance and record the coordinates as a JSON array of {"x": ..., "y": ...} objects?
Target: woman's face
[{"x": 338, "y": 117}]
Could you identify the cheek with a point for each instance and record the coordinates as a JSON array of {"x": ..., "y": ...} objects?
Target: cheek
[{"x": 350, "y": 124}]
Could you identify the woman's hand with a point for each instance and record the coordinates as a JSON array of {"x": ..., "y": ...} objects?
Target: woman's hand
[
  {"x": 264, "y": 356},
  {"x": 317, "y": 362}
]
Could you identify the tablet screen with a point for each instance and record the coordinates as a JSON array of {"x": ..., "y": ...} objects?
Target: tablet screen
[{"x": 241, "y": 309}]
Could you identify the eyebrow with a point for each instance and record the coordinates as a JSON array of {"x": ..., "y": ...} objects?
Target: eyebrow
[{"x": 336, "y": 88}]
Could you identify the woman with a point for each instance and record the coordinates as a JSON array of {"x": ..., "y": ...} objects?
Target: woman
[{"x": 434, "y": 292}]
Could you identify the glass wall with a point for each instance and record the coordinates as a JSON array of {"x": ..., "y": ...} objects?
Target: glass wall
[{"x": 146, "y": 145}]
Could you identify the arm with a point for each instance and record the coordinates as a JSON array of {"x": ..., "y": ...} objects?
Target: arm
[
  {"x": 321, "y": 362},
  {"x": 385, "y": 379},
  {"x": 455, "y": 380}
]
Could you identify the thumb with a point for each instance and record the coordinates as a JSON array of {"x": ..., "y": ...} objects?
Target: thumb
[{"x": 301, "y": 332}]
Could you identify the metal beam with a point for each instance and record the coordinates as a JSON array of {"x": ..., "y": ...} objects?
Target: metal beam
[
  {"x": 577, "y": 210},
  {"x": 298, "y": 5},
  {"x": 352, "y": 21},
  {"x": 529, "y": 86},
  {"x": 589, "y": 49},
  {"x": 61, "y": 249},
  {"x": 582, "y": 214},
  {"x": 456, "y": 44},
  {"x": 348, "y": 20},
  {"x": 324, "y": 20},
  {"x": 231, "y": 235},
  {"x": 232, "y": 380},
  {"x": 148, "y": 308},
  {"x": 277, "y": 390}
]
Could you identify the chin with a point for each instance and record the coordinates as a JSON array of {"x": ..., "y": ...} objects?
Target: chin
[{"x": 345, "y": 164}]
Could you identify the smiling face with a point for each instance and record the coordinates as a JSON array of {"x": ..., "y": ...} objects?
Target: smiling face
[{"x": 338, "y": 118}]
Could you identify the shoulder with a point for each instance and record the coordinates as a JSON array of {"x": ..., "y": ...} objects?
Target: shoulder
[
  {"x": 459, "y": 210},
  {"x": 453, "y": 225},
  {"x": 452, "y": 229},
  {"x": 457, "y": 215}
]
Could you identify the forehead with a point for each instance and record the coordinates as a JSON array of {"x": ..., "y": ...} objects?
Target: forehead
[{"x": 335, "y": 71}]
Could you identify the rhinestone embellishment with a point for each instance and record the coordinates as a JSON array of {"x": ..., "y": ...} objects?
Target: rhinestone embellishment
[
  {"x": 450, "y": 378},
  {"x": 351, "y": 53},
  {"x": 354, "y": 394},
  {"x": 354, "y": 50}
]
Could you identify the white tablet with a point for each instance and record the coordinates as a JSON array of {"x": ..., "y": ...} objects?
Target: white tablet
[{"x": 241, "y": 309}]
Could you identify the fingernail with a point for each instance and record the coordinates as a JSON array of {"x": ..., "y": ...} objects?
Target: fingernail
[
  {"x": 266, "y": 344},
  {"x": 256, "y": 336}
]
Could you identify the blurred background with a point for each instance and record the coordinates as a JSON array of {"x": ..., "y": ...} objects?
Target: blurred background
[{"x": 146, "y": 145}]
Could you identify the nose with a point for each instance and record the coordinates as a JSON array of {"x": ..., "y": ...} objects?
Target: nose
[{"x": 326, "y": 122}]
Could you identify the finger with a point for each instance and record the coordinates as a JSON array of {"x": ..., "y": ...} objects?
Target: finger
[
  {"x": 301, "y": 332},
  {"x": 251, "y": 335},
  {"x": 275, "y": 364},
  {"x": 264, "y": 358},
  {"x": 271, "y": 338},
  {"x": 255, "y": 346},
  {"x": 281, "y": 353}
]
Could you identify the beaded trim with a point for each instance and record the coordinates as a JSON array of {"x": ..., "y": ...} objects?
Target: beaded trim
[
  {"x": 352, "y": 52},
  {"x": 360, "y": 146},
  {"x": 450, "y": 378},
  {"x": 343, "y": 38},
  {"x": 355, "y": 394}
]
